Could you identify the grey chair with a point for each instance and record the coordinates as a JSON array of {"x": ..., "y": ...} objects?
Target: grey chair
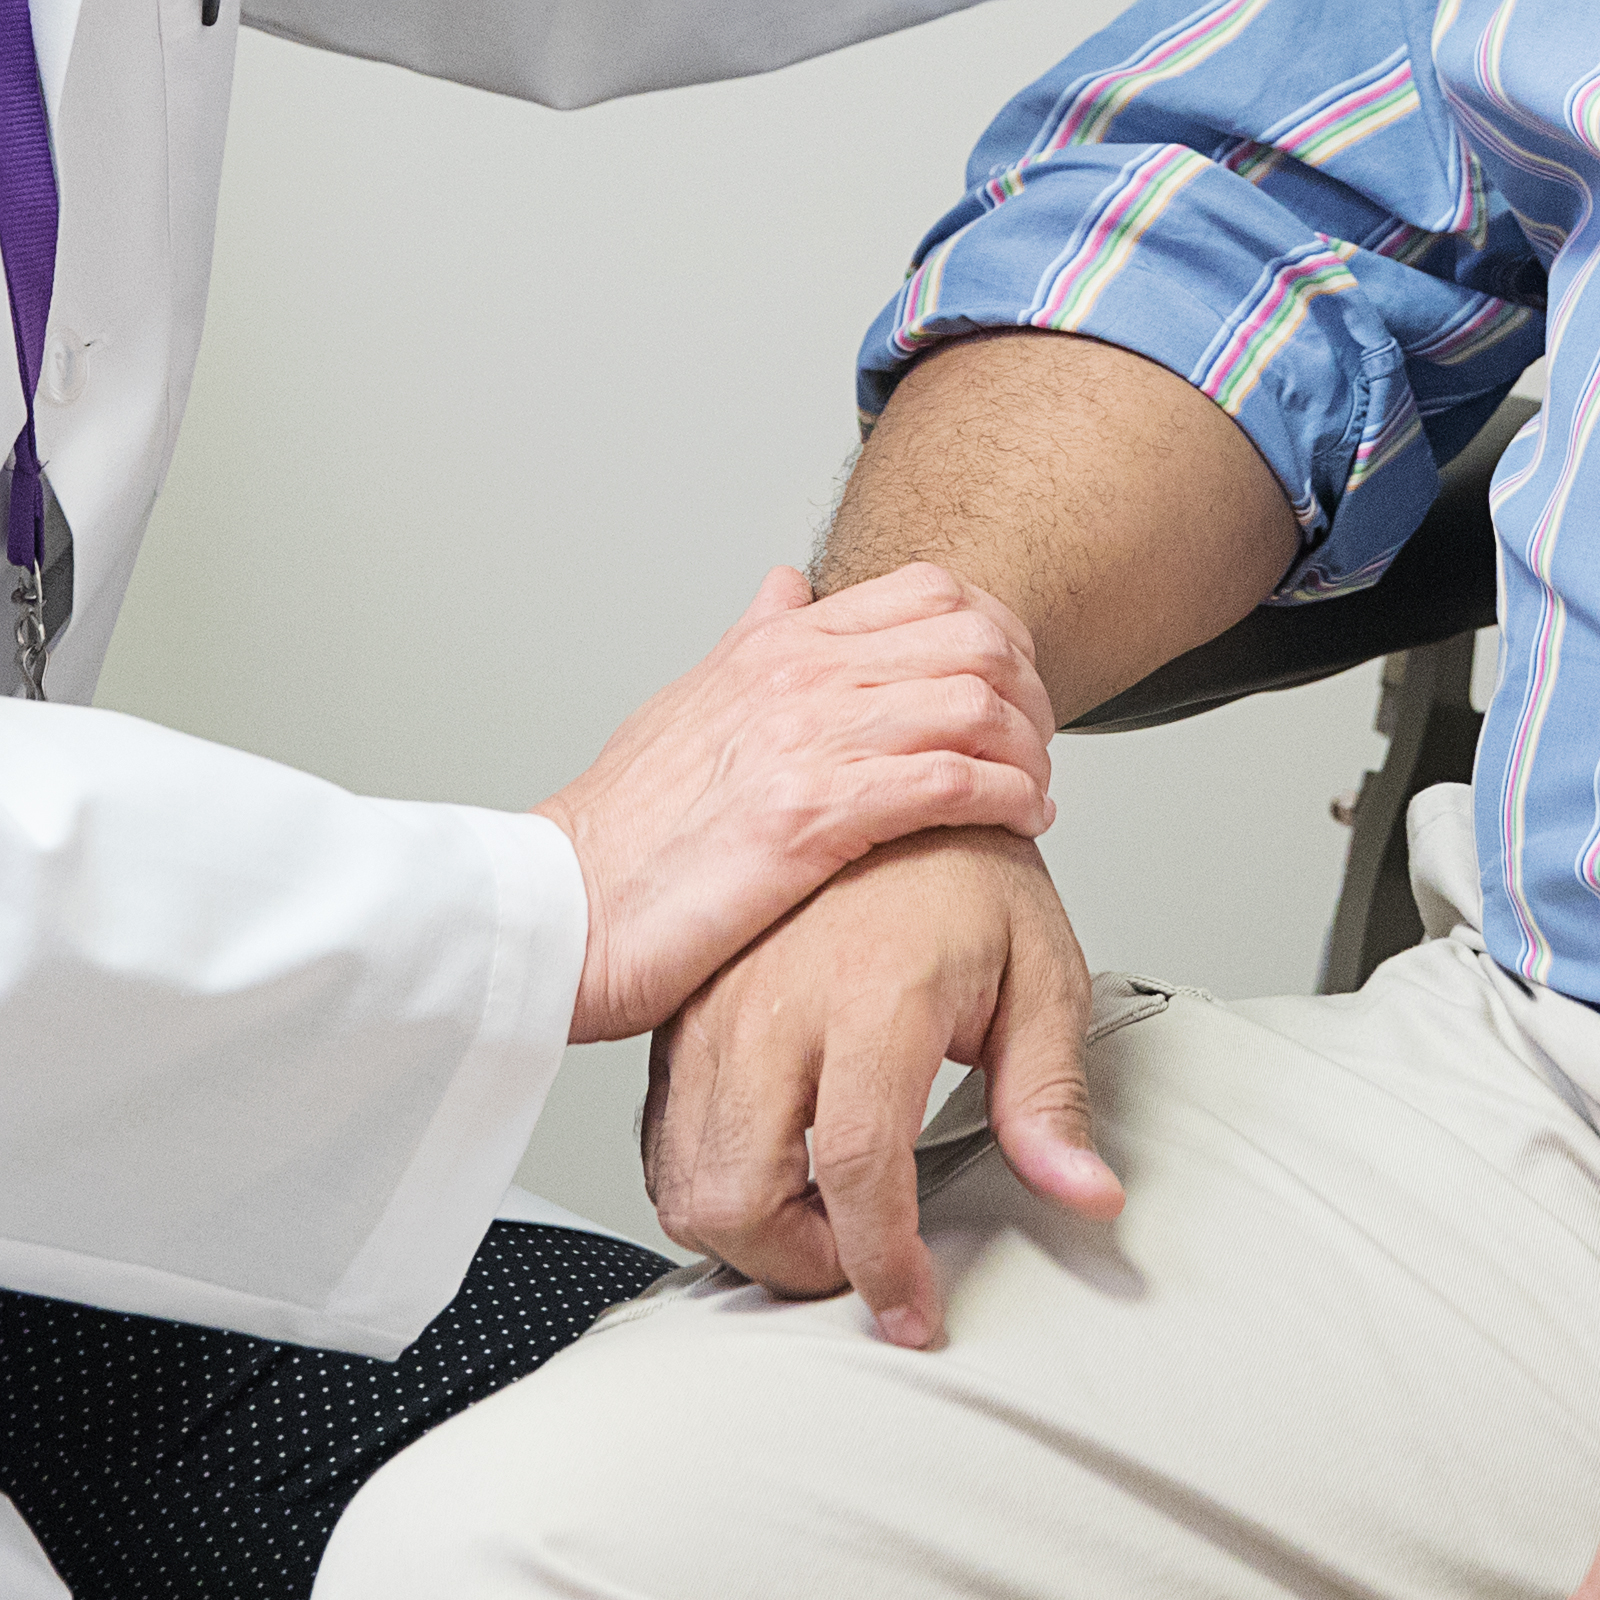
[{"x": 1421, "y": 617}]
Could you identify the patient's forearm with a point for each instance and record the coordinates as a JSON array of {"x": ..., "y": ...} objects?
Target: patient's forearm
[{"x": 1115, "y": 509}]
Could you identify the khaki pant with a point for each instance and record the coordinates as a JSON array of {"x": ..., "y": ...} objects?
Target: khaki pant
[{"x": 1344, "y": 1341}]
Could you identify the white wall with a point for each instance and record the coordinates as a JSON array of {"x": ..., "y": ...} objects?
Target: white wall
[{"x": 501, "y": 415}]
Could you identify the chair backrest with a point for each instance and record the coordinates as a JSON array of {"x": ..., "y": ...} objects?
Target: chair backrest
[{"x": 1425, "y": 707}]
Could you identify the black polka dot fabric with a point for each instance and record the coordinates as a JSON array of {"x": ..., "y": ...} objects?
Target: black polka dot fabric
[{"x": 160, "y": 1459}]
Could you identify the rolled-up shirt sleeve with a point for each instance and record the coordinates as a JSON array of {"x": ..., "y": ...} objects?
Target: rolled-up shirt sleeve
[
  {"x": 1269, "y": 198},
  {"x": 271, "y": 1051}
]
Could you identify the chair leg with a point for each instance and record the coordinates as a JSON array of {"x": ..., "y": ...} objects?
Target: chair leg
[{"x": 1426, "y": 709}]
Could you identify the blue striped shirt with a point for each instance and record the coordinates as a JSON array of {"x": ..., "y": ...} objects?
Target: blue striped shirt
[{"x": 1351, "y": 226}]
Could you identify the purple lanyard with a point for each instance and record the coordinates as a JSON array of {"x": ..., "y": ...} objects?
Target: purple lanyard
[
  {"x": 28, "y": 242},
  {"x": 28, "y": 218}
]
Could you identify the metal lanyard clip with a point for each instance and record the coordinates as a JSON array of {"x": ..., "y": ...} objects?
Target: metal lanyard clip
[{"x": 28, "y": 597}]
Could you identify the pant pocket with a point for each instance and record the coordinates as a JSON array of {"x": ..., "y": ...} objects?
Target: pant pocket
[{"x": 959, "y": 1134}]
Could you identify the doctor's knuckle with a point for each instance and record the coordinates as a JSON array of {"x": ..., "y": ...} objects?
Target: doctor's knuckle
[
  {"x": 962, "y": 633},
  {"x": 949, "y": 779},
  {"x": 932, "y": 587},
  {"x": 975, "y": 703},
  {"x": 987, "y": 643}
]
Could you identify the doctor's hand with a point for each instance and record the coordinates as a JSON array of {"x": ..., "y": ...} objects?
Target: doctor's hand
[
  {"x": 810, "y": 734},
  {"x": 948, "y": 944}
]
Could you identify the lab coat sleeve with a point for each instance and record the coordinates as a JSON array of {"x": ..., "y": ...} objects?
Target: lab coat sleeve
[
  {"x": 569, "y": 53},
  {"x": 269, "y": 1051}
]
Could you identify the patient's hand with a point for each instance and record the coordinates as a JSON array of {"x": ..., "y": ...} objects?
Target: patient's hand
[
  {"x": 945, "y": 944},
  {"x": 1124, "y": 518}
]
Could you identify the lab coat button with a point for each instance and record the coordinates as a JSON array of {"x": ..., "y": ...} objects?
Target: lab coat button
[{"x": 66, "y": 366}]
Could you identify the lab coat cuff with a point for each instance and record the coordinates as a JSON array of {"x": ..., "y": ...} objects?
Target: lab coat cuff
[
  {"x": 462, "y": 1165},
  {"x": 543, "y": 931}
]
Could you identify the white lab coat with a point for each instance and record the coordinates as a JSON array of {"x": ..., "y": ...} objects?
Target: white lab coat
[{"x": 269, "y": 1052}]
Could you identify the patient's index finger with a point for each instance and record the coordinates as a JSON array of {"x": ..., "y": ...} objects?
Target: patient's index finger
[{"x": 875, "y": 1080}]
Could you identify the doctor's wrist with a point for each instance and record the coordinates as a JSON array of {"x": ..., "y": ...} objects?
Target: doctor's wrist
[{"x": 593, "y": 1015}]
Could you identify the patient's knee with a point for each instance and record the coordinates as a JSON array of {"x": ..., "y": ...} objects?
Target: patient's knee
[
  {"x": 670, "y": 1460},
  {"x": 420, "y": 1527},
  {"x": 570, "y": 1482}
]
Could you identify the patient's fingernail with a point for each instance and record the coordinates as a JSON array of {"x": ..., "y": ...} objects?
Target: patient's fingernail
[
  {"x": 1086, "y": 1166},
  {"x": 905, "y": 1326},
  {"x": 1097, "y": 1190}
]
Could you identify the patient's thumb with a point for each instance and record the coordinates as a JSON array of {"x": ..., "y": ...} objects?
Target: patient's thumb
[
  {"x": 783, "y": 589},
  {"x": 1039, "y": 1103}
]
